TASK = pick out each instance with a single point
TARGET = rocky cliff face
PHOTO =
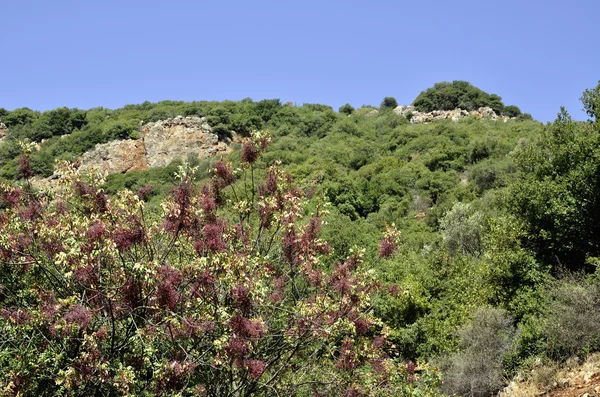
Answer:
(3, 130)
(417, 117)
(161, 142)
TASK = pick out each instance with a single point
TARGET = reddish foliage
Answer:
(242, 298)
(255, 368)
(79, 315)
(25, 171)
(213, 235)
(12, 196)
(225, 172)
(237, 347)
(347, 358)
(126, 237)
(249, 152)
(32, 211)
(168, 282)
(387, 247)
(145, 191)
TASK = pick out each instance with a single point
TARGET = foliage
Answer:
(462, 230)
(214, 297)
(558, 194)
(491, 214)
(476, 370)
(346, 109)
(388, 103)
(572, 325)
(460, 95)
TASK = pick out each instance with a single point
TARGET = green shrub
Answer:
(476, 369)
(346, 109)
(573, 319)
(388, 103)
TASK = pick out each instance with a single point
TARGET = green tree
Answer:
(558, 194)
(462, 230)
(388, 103)
(511, 111)
(346, 109)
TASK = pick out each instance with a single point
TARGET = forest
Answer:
(344, 252)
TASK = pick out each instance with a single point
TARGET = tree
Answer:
(511, 111)
(388, 103)
(457, 94)
(591, 102)
(223, 295)
(346, 109)
(558, 194)
(462, 230)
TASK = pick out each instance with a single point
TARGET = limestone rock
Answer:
(161, 143)
(417, 117)
(404, 110)
(170, 139)
(3, 130)
(116, 157)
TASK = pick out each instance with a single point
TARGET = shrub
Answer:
(224, 294)
(573, 319)
(346, 109)
(388, 103)
(476, 370)
(462, 230)
(457, 94)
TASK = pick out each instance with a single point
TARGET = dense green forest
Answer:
(478, 237)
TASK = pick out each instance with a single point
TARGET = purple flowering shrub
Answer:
(223, 294)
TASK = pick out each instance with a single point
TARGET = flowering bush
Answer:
(224, 294)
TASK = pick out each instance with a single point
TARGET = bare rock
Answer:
(3, 130)
(116, 157)
(417, 117)
(170, 139)
(161, 143)
(404, 110)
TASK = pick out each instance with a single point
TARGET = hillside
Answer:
(492, 267)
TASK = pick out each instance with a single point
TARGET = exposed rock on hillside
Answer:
(174, 138)
(417, 117)
(116, 156)
(161, 142)
(3, 129)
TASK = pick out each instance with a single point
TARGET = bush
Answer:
(573, 319)
(215, 296)
(511, 111)
(457, 94)
(388, 103)
(346, 109)
(476, 370)
(462, 230)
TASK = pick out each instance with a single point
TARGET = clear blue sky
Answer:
(535, 54)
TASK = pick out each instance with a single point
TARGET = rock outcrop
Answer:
(174, 138)
(161, 142)
(3, 130)
(116, 157)
(417, 117)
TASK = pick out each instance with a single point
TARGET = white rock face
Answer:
(161, 142)
(170, 139)
(417, 117)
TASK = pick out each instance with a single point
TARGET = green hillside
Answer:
(493, 265)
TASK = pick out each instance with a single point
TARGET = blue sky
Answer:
(538, 55)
